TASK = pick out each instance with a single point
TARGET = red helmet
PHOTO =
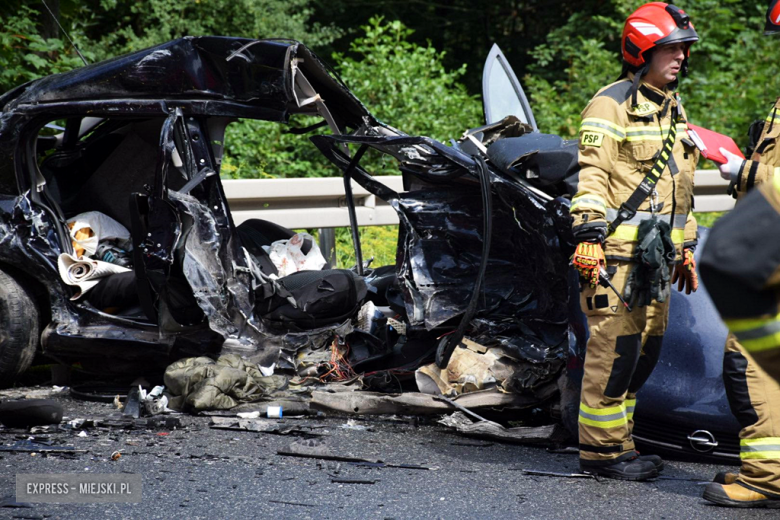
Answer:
(773, 18)
(655, 24)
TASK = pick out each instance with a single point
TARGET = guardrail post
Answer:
(328, 245)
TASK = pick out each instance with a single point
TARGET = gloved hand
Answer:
(589, 259)
(730, 170)
(685, 273)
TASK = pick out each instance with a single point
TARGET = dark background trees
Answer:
(416, 63)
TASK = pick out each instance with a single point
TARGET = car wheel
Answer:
(19, 329)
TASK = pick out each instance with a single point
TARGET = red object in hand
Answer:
(709, 143)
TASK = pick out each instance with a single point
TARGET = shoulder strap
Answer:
(629, 208)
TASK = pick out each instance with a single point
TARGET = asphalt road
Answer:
(199, 472)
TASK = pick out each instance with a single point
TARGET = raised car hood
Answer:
(258, 74)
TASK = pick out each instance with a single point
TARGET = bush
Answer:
(400, 82)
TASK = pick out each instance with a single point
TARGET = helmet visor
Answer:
(680, 35)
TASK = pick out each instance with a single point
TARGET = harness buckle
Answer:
(653, 202)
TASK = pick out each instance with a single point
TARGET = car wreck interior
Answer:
(94, 166)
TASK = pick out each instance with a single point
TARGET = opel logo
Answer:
(702, 441)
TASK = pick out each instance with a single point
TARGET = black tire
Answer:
(19, 330)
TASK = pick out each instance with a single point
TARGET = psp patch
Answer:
(643, 109)
(592, 139)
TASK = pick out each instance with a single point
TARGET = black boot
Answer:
(631, 469)
(657, 461)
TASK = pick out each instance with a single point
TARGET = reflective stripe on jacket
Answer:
(764, 164)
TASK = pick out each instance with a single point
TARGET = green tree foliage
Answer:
(377, 242)
(402, 83)
(407, 84)
(26, 53)
(571, 67)
(564, 51)
(137, 24)
(466, 29)
(735, 73)
(107, 28)
(733, 68)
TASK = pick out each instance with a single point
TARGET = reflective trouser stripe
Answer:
(776, 179)
(603, 418)
(756, 335)
(617, 448)
(678, 221)
(630, 405)
(764, 448)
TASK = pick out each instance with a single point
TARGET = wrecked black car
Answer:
(480, 306)
(140, 152)
(140, 146)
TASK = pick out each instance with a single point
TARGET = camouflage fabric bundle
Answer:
(197, 384)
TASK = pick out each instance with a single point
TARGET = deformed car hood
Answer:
(255, 73)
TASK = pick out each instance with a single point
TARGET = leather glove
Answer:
(730, 170)
(634, 292)
(685, 273)
(644, 285)
(589, 259)
(661, 287)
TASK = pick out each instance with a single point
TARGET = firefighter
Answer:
(754, 397)
(632, 218)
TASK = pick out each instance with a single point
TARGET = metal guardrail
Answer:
(321, 203)
(709, 192)
(308, 203)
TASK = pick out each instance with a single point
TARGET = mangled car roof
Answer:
(226, 70)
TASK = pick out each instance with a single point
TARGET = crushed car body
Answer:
(138, 146)
(482, 260)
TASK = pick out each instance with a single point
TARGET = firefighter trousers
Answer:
(754, 398)
(622, 352)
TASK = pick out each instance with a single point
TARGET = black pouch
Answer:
(320, 298)
(654, 256)
(754, 134)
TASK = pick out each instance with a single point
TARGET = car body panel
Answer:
(524, 297)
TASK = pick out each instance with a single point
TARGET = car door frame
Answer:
(496, 58)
